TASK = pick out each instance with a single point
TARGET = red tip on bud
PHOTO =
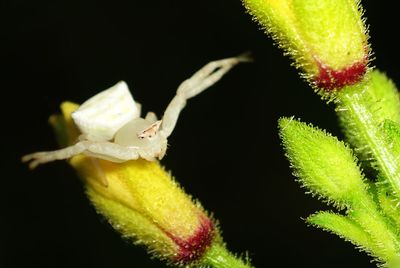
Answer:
(329, 79)
(193, 248)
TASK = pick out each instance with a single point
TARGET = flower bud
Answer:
(322, 163)
(142, 201)
(326, 38)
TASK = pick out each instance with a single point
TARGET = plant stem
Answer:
(218, 256)
(357, 110)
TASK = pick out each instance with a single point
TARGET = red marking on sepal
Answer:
(329, 79)
(193, 248)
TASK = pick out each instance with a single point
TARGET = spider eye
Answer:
(150, 131)
(138, 132)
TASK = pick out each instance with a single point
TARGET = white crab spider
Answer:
(112, 128)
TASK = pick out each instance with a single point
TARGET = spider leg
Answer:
(105, 150)
(208, 75)
(112, 152)
(198, 82)
(44, 157)
(151, 117)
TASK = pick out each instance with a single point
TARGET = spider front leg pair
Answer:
(104, 150)
(112, 128)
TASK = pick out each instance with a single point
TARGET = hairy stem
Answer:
(358, 114)
(217, 256)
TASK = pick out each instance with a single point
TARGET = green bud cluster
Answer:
(328, 42)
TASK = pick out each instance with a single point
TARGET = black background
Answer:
(225, 150)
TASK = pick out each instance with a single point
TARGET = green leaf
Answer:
(350, 230)
(386, 243)
(344, 227)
